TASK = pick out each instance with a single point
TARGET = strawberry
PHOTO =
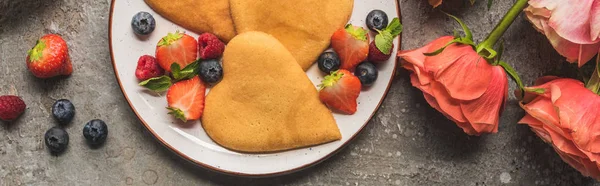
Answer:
(49, 57)
(177, 48)
(186, 99)
(11, 107)
(352, 45)
(339, 91)
(381, 48)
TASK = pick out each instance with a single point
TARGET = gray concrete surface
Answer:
(406, 143)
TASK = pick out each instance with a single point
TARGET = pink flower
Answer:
(566, 115)
(572, 26)
(460, 84)
(435, 3)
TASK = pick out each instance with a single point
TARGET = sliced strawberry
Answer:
(352, 45)
(339, 91)
(186, 99)
(177, 48)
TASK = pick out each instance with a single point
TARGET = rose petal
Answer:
(447, 104)
(484, 112)
(571, 20)
(435, 3)
(468, 78)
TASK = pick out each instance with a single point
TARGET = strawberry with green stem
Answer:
(49, 57)
(177, 48)
(339, 91)
(352, 46)
(381, 48)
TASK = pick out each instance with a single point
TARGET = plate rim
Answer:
(234, 173)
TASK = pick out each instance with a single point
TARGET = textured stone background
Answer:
(406, 143)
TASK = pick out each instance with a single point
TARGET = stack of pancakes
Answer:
(265, 101)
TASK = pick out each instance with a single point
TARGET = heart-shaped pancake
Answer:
(303, 26)
(265, 102)
(198, 15)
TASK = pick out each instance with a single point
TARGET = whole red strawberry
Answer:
(49, 57)
(11, 107)
(210, 46)
(177, 48)
(147, 68)
(352, 45)
(339, 91)
(376, 55)
(381, 48)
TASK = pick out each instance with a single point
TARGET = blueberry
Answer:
(377, 20)
(211, 71)
(63, 111)
(143, 23)
(328, 62)
(95, 132)
(366, 73)
(56, 139)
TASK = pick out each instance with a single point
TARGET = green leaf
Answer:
(188, 72)
(536, 90)
(383, 42)
(512, 73)
(593, 83)
(468, 33)
(395, 27)
(170, 38)
(489, 4)
(157, 84)
(357, 32)
(456, 40)
(177, 113)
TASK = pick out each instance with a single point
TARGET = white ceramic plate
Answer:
(192, 143)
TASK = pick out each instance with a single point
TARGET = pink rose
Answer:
(567, 116)
(460, 84)
(572, 26)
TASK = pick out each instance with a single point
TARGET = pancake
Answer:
(304, 26)
(265, 102)
(198, 15)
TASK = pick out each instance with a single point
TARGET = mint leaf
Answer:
(157, 84)
(383, 42)
(395, 27)
(177, 113)
(357, 32)
(188, 72)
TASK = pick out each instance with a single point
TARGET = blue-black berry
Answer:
(57, 140)
(377, 20)
(63, 111)
(211, 71)
(328, 62)
(95, 132)
(367, 73)
(143, 23)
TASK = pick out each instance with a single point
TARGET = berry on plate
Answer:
(210, 46)
(367, 73)
(328, 62)
(177, 48)
(148, 67)
(381, 48)
(211, 71)
(57, 140)
(377, 20)
(11, 107)
(186, 99)
(352, 46)
(63, 111)
(95, 132)
(49, 57)
(339, 91)
(143, 23)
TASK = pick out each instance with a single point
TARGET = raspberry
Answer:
(11, 107)
(376, 56)
(210, 46)
(147, 68)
